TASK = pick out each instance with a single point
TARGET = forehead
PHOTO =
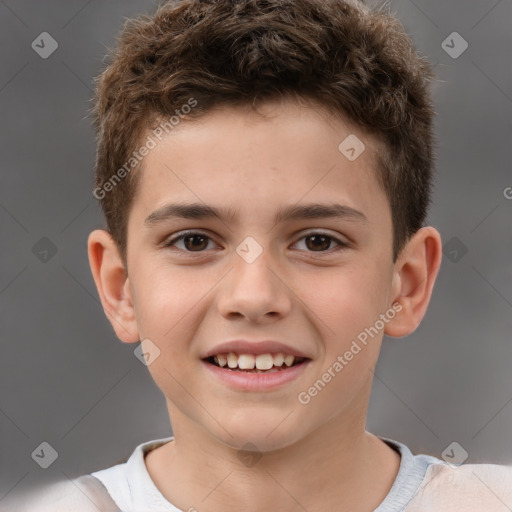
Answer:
(249, 162)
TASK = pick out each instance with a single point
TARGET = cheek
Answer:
(348, 304)
(346, 300)
(168, 305)
(166, 300)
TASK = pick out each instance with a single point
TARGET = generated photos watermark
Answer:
(156, 136)
(304, 397)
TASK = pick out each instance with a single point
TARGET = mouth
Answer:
(256, 372)
(252, 363)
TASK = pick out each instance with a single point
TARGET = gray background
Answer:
(67, 380)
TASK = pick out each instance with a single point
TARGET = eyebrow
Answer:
(288, 213)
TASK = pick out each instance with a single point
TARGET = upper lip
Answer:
(254, 347)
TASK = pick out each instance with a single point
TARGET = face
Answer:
(314, 284)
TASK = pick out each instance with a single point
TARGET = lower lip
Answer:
(246, 381)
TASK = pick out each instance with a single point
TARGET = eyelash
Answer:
(341, 245)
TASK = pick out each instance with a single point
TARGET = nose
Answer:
(254, 291)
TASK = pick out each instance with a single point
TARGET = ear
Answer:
(414, 275)
(113, 285)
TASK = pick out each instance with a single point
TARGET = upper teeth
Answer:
(250, 361)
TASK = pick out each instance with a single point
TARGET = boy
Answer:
(265, 169)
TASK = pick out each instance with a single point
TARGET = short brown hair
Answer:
(354, 61)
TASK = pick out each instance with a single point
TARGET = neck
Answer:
(326, 470)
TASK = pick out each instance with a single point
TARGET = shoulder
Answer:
(469, 487)
(83, 494)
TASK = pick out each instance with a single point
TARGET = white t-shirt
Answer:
(423, 484)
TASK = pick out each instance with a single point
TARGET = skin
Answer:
(316, 299)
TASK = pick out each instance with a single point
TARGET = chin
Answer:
(260, 435)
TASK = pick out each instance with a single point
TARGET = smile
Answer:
(251, 372)
(255, 363)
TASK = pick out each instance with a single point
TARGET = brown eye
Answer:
(318, 242)
(321, 242)
(192, 242)
(195, 242)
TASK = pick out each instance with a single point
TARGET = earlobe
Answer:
(414, 276)
(113, 285)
